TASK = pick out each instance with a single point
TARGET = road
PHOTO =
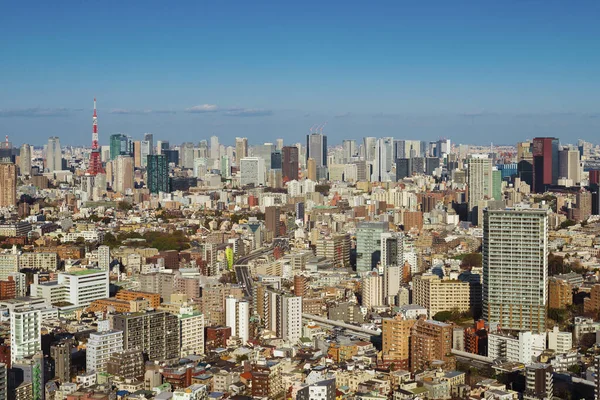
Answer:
(242, 272)
(355, 330)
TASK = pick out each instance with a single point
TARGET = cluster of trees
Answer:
(470, 260)
(454, 316)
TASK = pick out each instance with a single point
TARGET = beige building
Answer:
(396, 341)
(437, 294)
(335, 248)
(8, 184)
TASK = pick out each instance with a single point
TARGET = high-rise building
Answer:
(156, 333)
(384, 158)
(369, 144)
(392, 283)
(372, 290)
(123, 174)
(104, 257)
(316, 148)
(99, 348)
(311, 169)
(237, 315)
(8, 184)
(290, 163)
(25, 333)
(252, 171)
(431, 164)
(145, 151)
(191, 328)
(335, 248)
(215, 152)
(479, 179)
(545, 163)
(349, 148)
(568, 165)
(53, 154)
(120, 145)
(515, 268)
(186, 155)
(158, 173)
(438, 295)
(431, 341)
(403, 168)
(392, 248)
(25, 160)
(241, 149)
(128, 364)
(137, 154)
(368, 244)
(272, 220)
(149, 137)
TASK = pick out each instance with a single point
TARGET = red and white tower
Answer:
(95, 166)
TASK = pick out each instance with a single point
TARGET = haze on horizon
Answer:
(471, 71)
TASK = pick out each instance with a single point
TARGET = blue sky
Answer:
(474, 72)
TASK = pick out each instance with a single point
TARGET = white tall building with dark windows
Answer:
(237, 317)
(515, 268)
(25, 333)
(100, 346)
(53, 154)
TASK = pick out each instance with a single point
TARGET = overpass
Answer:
(328, 322)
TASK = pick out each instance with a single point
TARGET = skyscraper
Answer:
(119, 145)
(479, 179)
(568, 165)
(369, 144)
(53, 155)
(349, 147)
(403, 168)
(290, 163)
(241, 149)
(545, 163)
(316, 148)
(252, 170)
(145, 151)
(123, 174)
(237, 315)
(8, 184)
(215, 152)
(382, 164)
(515, 268)
(25, 333)
(25, 160)
(149, 137)
(368, 244)
(158, 173)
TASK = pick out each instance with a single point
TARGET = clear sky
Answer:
(475, 72)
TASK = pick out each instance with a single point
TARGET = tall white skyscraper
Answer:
(349, 147)
(237, 317)
(515, 268)
(215, 153)
(25, 334)
(25, 159)
(53, 154)
(384, 158)
(479, 179)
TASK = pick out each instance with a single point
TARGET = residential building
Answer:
(237, 317)
(436, 294)
(396, 341)
(25, 333)
(431, 346)
(8, 184)
(100, 346)
(524, 347)
(560, 293)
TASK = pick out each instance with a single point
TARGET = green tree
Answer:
(472, 260)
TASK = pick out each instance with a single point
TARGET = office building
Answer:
(569, 165)
(368, 244)
(241, 149)
(290, 163)
(156, 333)
(545, 163)
(392, 248)
(349, 150)
(25, 333)
(335, 248)
(149, 137)
(99, 348)
(237, 317)
(53, 154)
(158, 173)
(145, 151)
(384, 158)
(25, 160)
(316, 148)
(515, 268)
(431, 164)
(252, 171)
(272, 220)
(137, 154)
(78, 287)
(186, 155)
(368, 148)
(403, 168)
(8, 184)
(392, 283)
(431, 341)
(123, 174)
(215, 148)
(119, 146)
(311, 169)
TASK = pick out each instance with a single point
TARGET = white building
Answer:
(237, 316)
(252, 171)
(372, 290)
(191, 331)
(194, 392)
(79, 288)
(100, 346)
(479, 179)
(53, 155)
(289, 318)
(561, 342)
(515, 268)
(523, 348)
(25, 334)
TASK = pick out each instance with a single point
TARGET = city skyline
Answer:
(472, 73)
